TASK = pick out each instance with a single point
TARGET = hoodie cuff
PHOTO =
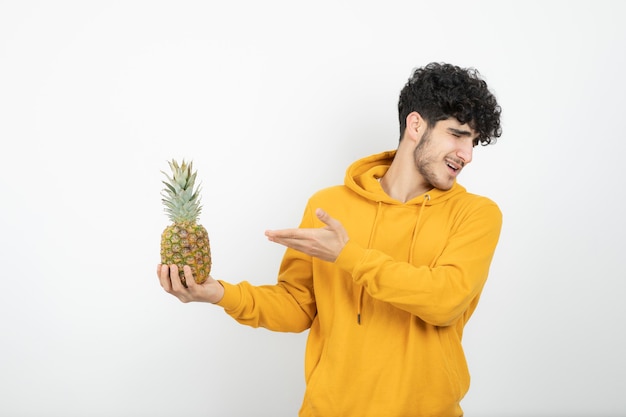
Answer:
(350, 257)
(232, 296)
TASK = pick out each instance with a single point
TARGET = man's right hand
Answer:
(209, 291)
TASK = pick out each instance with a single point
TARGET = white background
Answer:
(272, 100)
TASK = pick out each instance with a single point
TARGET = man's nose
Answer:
(465, 152)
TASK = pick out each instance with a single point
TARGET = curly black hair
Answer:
(439, 91)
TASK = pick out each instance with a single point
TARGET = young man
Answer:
(387, 269)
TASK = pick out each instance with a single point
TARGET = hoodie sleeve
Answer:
(287, 306)
(439, 293)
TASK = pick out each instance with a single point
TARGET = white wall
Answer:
(272, 100)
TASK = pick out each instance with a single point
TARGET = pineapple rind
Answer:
(187, 244)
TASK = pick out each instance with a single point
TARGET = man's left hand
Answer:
(324, 243)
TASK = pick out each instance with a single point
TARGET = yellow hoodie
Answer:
(387, 317)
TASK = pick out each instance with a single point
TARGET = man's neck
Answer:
(402, 181)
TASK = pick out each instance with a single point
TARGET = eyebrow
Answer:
(459, 132)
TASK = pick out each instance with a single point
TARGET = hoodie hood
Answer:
(363, 177)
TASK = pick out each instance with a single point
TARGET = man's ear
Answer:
(415, 126)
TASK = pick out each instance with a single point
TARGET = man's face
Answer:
(443, 151)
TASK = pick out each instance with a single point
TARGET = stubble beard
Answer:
(424, 164)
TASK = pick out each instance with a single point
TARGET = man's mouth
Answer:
(454, 165)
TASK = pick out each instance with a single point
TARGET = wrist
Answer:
(219, 293)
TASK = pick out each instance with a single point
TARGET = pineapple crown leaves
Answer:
(181, 197)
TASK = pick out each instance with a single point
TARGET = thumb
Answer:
(325, 218)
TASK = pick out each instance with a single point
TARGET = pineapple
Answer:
(184, 242)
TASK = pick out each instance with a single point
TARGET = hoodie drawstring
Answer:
(371, 241)
(369, 245)
(419, 218)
